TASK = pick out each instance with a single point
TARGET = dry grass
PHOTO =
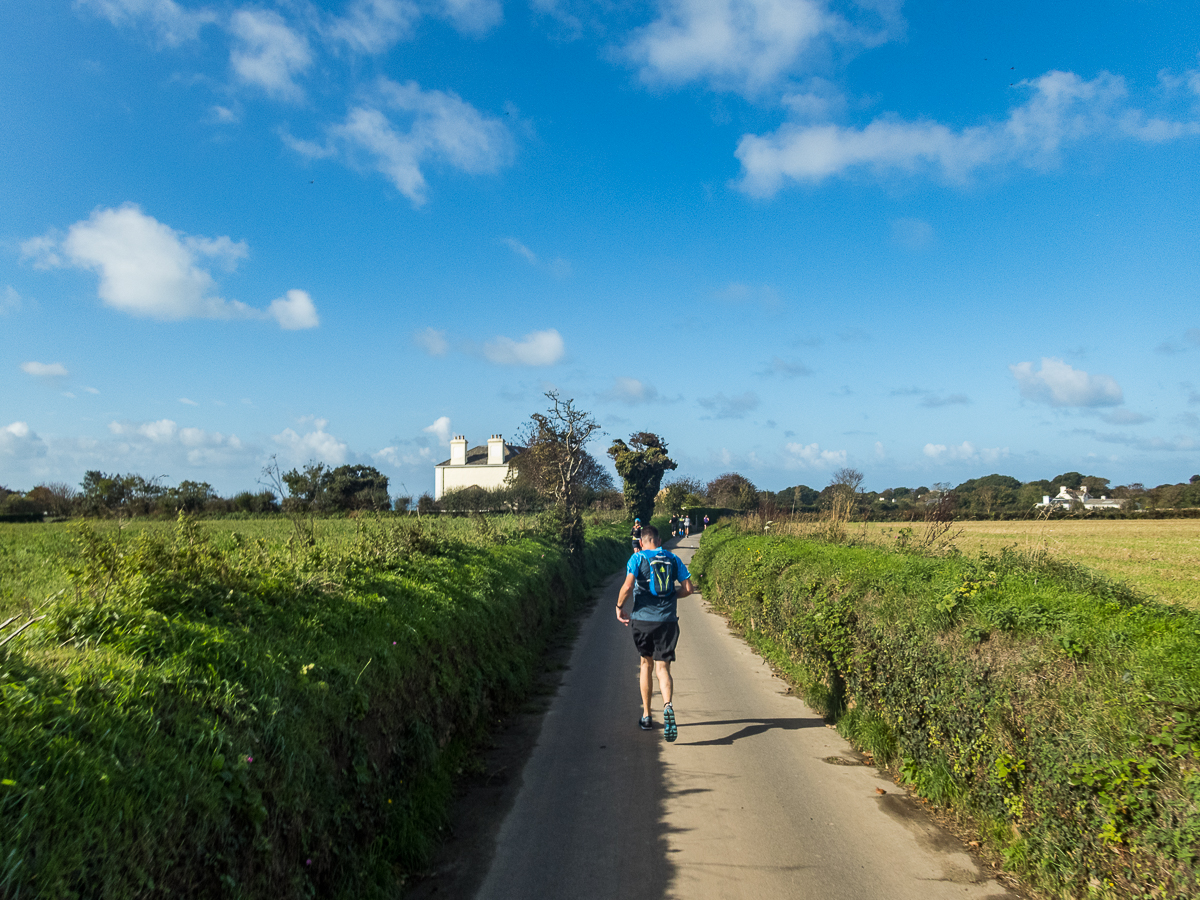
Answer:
(1158, 557)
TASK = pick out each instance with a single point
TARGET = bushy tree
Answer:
(356, 487)
(733, 491)
(306, 488)
(641, 464)
(556, 463)
(55, 498)
(119, 494)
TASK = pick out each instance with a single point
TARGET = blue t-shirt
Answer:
(655, 575)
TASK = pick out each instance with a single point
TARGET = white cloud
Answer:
(1057, 384)
(913, 234)
(171, 23)
(964, 452)
(10, 300)
(812, 456)
(48, 371)
(149, 269)
(313, 445)
(18, 441)
(1126, 417)
(426, 127)
(723, 407)
(880, 452)
(740, 45)
(186, 402)
(474, 17)
(372, 26)
(933, 401)
(520, 249)
(787, 369)
(92, 390)
(538, 348)
(432, 341)
(165, 443)
(439, 429)
(1064, 109)
(267, 53)
(631, 391)
(294, 311)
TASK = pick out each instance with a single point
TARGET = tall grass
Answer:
(216, 712)
(1057, 710)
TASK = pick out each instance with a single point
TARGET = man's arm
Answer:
(685, 588)
(623, 598)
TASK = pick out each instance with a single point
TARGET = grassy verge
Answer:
(1056, 710)
(220, 714)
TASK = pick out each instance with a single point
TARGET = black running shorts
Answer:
(655, 640)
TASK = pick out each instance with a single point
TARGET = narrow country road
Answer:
(754, 800)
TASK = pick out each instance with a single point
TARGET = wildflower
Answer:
(393, 643)
(249, 759)
(308, 862)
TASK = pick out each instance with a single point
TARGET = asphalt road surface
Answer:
(756, 799)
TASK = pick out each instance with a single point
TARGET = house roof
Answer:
(478, 456)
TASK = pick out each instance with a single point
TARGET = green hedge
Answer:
(241, 719)
(1058, 710)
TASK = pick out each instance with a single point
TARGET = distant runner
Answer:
(687, 526)
(635, 535)
(656, 578)
(705, 522)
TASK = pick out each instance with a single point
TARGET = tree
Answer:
(306, 490)
(641, 464)
(556, 462)
(356, 487)
(191, 496)
(56, 498)
(732, 491)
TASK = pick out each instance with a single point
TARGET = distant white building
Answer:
(1067, 498)
(485, 466)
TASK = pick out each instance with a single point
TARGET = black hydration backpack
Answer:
(658, 574)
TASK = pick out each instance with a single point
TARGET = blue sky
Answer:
(931, 240)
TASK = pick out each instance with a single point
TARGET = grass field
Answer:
(35, 557)
(1160, 558)
(216, 709)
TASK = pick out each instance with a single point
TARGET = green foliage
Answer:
(217, 713)
(641, 464)
(1058, 709)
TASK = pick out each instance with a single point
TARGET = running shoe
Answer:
(645, 724)
(670, 731)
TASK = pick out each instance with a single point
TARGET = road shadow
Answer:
(751, 728)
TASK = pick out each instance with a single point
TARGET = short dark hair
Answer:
(649, 531)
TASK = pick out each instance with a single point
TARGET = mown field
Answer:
(229, 709)
(1160, 558)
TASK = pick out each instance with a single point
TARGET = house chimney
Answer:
(458, 450)
(495, 450)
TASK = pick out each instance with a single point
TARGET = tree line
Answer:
(989, 497)
(315, 487)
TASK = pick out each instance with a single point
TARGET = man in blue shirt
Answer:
(656, 579)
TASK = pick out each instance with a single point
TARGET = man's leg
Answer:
(647, 667)
(662, 669)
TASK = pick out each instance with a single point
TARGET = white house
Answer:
(1067, 498)
(482, 466)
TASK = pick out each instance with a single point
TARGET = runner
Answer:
(656, 579)
(635, 535)
(705, 528)
(687, 526)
